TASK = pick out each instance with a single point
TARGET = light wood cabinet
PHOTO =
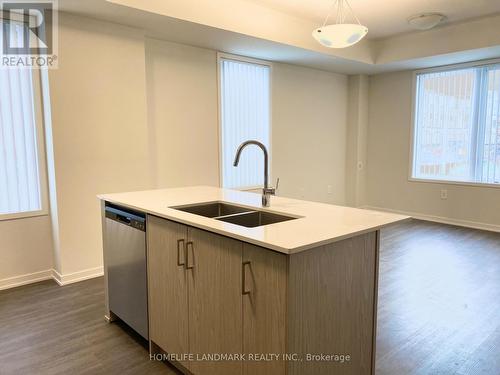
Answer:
(264, 309)
(209, 294)
(167, 286)
(332, 306)
(215, 308)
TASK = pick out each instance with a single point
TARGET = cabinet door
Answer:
(168, 297)
(215, 307)
(264, 308)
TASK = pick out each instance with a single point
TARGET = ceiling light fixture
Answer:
(340, 34)
(426, 21)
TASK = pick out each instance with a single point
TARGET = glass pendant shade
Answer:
(340, 35)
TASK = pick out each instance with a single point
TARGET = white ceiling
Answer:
(387, 17)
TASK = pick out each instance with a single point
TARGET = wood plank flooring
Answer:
(438, 314)
(439, 301)
(46, 329)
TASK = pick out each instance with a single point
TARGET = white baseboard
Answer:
(64, 279)
(57, 277)
(439, 219)
(75, 277)
(28, 278)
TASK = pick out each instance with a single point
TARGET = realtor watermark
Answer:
(252, 357)
(28, 34)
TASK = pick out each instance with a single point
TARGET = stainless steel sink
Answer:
(255, 219)
(212, 209)
(238, 215)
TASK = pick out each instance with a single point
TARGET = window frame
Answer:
(413, 128)
(41, 154)
(227, 56)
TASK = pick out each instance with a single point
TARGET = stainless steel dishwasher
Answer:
(126, 267)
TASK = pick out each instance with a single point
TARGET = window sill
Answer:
(23, 215)
(459, 183)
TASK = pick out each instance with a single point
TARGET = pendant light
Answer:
(340, 34)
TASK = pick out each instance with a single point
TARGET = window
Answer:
(457, 124)
(20, 141)
(244, 114)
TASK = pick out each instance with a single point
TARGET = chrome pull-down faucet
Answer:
(267, 191)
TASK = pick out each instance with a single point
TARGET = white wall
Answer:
(25, 248)
(388, 151)
(182, 114)
(357, 138)
(100, 134)
(309, 133)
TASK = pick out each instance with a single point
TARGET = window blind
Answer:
(19, 173)
(245, 114)
(457, 125)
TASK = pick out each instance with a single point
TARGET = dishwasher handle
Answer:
(123, 219)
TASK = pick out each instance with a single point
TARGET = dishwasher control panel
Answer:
(130, 218)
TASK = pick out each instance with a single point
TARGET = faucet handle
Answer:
(271, 190)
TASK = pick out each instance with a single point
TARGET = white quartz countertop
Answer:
(319, 223)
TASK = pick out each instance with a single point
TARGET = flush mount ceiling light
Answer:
(426, 21)
(340, 34)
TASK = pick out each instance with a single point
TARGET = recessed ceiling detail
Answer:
(282, 37)
(388, 17)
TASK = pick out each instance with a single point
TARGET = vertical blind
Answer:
(19, 173)
(457, 125)
(245, 114)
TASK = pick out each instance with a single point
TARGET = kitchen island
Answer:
(235, 288)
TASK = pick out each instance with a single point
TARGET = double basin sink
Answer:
(229, 213)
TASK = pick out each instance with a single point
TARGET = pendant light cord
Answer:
(341, 12)
(352, 12)
(330, 12)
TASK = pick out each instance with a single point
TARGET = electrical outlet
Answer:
(444, 194)
(329, 189)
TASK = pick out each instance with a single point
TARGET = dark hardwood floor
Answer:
(46, 329)
(438, 313)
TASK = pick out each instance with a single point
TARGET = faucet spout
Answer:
(266, 157)
(267, 191)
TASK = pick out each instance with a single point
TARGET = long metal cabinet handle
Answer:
(189, 244)
(244, 278)
(180, 243)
